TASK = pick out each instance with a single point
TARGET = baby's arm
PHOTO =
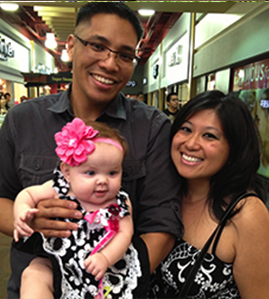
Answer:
(114, 250)
(24, 207)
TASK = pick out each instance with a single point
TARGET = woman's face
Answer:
(199, 148)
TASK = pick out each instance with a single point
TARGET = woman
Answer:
(3, 102)
(216, 150)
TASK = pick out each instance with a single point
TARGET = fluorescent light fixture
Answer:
(9, 6)
(64, 56)
(146, 12)
(50, 42)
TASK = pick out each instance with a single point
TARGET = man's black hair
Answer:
(170, 95)
(91, 9)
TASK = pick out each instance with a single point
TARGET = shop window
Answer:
(251, 84)
(211, 82)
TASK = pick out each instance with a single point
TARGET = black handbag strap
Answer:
(187, 285)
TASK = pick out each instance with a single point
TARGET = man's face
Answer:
(174, 102)
(100, 80)
(140, 97)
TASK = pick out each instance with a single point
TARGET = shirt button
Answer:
(125, 174)
(37, 167)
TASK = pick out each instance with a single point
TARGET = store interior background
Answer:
(188, 47)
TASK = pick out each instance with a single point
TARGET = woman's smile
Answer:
(199, 148)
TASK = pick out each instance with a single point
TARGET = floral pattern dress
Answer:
(214, 279)
(67, 255)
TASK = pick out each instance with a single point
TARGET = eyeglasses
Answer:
(102, 52)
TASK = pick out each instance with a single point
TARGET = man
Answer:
(140, 97)
(172, 103)
(103, 53)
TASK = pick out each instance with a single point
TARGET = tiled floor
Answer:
(4, 263)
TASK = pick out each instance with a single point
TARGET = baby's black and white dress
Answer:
(67, 255)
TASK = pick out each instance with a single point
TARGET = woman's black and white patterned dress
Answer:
(214, 279)
(71, 280)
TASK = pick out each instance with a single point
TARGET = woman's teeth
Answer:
(190, 159)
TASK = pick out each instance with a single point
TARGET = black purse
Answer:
(186, 287)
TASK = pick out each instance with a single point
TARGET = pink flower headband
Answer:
(76, 141)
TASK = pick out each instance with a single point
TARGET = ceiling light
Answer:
(64, 56)
(50, 42)
(146, 12)
(9, 6)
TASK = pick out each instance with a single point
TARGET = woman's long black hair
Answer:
(239, 174)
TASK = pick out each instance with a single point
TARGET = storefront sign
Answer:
(155, 71)
(13, 54)
(131, 84)
(176, 56)
(37, 79)
(6, 50)
(62, 77)
(251, 76)
(42, 69)
(145, 81)
(265, 104)
(175, 61)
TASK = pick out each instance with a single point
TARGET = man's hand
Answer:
(55, 208)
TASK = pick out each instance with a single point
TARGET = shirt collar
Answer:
(63, 103)
(115, 109)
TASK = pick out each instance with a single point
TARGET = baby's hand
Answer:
(96, 264)
(21, 228)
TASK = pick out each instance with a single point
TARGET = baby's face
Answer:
(97, 180)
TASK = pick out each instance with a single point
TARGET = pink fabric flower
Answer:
(74, 142)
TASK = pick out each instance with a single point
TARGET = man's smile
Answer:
(103, 80)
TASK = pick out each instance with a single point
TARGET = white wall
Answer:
(246, 38)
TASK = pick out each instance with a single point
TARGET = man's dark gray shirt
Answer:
(27, 157)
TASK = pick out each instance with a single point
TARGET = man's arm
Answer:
(158, 245)
(6, 216)
(11, 182)
(159, 221)
(48, 208)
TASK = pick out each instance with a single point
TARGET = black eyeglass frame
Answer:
(136, 59)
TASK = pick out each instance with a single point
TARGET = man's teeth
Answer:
(191, 159)
(103, 80)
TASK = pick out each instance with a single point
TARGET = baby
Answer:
(90, 174)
